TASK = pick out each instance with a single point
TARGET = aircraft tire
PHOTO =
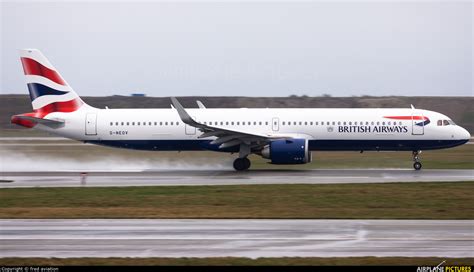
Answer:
(417, 165)
(241, 164)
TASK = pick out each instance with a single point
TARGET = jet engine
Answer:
(290, 151)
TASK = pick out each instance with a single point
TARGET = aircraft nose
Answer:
(465, 135)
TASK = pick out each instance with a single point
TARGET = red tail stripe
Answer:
(32, 67)
(66, 106)
(407, 117)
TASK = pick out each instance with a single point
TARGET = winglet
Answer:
(412, 107)
(200, 104)
(183, 114)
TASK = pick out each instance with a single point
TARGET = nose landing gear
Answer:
(417, 164)
(241, 164)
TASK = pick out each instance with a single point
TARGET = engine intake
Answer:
(291, 151)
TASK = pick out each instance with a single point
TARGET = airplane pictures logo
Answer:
(423, 121)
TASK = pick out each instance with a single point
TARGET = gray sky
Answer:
(244, 48)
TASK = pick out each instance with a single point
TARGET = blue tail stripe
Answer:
(37, 90)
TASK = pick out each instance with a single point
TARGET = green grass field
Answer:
(433, 261)
(450, 200)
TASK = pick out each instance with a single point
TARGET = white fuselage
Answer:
(326, 129)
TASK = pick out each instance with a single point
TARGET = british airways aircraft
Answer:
(283, 135)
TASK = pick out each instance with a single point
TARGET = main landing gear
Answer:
(417, 164)
(241, 164)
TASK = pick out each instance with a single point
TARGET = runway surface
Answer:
(238, 238)
(166, 178)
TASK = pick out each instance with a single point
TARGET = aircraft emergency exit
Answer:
(281, 135)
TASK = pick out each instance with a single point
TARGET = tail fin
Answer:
(49, 92)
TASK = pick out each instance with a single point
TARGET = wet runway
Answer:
(166, 178)
(238, 238)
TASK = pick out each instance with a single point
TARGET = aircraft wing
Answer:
(225, 137)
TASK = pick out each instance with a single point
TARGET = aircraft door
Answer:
(418, 123)
(275, 124)
(189, 130)
(91, 124)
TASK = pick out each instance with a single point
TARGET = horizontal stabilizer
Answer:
(30, 121)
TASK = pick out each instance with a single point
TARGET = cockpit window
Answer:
(445, 123)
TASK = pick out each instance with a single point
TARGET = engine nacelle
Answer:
(291, 151)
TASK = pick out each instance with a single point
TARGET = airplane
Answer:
(281, 135)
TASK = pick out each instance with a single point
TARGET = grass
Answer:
(412, 261)
(349, 201)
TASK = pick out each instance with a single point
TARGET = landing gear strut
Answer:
(417, 164)
(241, 164)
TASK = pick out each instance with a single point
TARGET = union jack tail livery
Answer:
(49, 92)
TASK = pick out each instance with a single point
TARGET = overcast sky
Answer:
(243, 48)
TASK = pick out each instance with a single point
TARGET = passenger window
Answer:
(155, 123)
(254, 123)
(378, 123)
(111, 123)
(177, 123)
(128, 123)
(345, 123)
(311, 123)
(166, 123)
(350, 123)
(238, 123)
(283, 123)
(367, 123)
(171, 123)
(121, 124)
(266, 123)
(226, 123)
(133, 123)
(116, 123)
(259, 123)
(316, 123)
(305, 123)
(333, 123)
